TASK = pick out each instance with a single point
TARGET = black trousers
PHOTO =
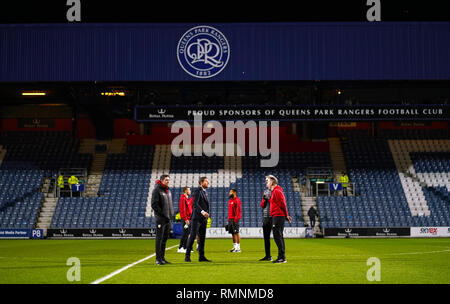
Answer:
(278, 228)
(344, 191)
(185, 235)
(162, 234)
(197, 226)
(267, 229)
(312, 220)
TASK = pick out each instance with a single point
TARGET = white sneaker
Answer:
(237, 250)
(181, 250)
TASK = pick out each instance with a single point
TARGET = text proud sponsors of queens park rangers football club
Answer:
(203, 51)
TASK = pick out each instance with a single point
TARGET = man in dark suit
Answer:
(199, 220)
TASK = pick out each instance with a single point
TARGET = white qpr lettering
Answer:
(432, 111)
(398, 112)
(322, 112)
(295, 112)
(196, 294)
(356, 112)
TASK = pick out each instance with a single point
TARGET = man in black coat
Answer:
(267, 224)
(163, 209)
(199, 220)
(312, 213)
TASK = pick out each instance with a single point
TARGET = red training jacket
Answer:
(186, 207)
(234, 209)
(278, 203)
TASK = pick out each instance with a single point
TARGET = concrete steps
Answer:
(96, 174)
(118, 146)
(87, 146)
(306, 203)
(46, 213)
(338, 160)
(2, 154)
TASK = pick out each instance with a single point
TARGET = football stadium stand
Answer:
(30, 158)
(402, 179)
(390, 193)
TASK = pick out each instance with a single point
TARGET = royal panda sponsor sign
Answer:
(102, 233)
(367, 232)
(122, 233)
(93, 233)
(344, 232)
(389, 232)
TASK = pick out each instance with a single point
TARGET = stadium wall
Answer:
(259, 51)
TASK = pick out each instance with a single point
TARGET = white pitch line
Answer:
(436, 251)
(357, 255)
(98, 281)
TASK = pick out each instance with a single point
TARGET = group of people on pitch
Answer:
(194, 213)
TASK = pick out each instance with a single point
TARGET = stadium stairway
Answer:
(115, 146)
(160, 165)
(338, 160)
(95, 174)
(48, 205)
(87, 146)
(46, 213)
(2, 154)
(306, 203)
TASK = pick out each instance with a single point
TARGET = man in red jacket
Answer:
(279, 213)
(234, 215)
(185, 214)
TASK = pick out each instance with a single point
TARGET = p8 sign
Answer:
(37, 234)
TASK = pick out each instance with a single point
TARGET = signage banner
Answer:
(45, 123)
(255, 232)
(343, 124)
(102, 233)
(289, 113)
(14, 233)
(430, 231)
(335, 186)
(78, 188)
(358, 232)
(37, 234)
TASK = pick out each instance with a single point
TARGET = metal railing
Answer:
(80, 173)
(334, 188)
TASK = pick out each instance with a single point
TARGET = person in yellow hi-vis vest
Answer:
(344, 180)
(178, 217)
(73, 180)
(61, 182)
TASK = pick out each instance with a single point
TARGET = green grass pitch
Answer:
(309, 261)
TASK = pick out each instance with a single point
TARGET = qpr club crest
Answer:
(203, 51)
